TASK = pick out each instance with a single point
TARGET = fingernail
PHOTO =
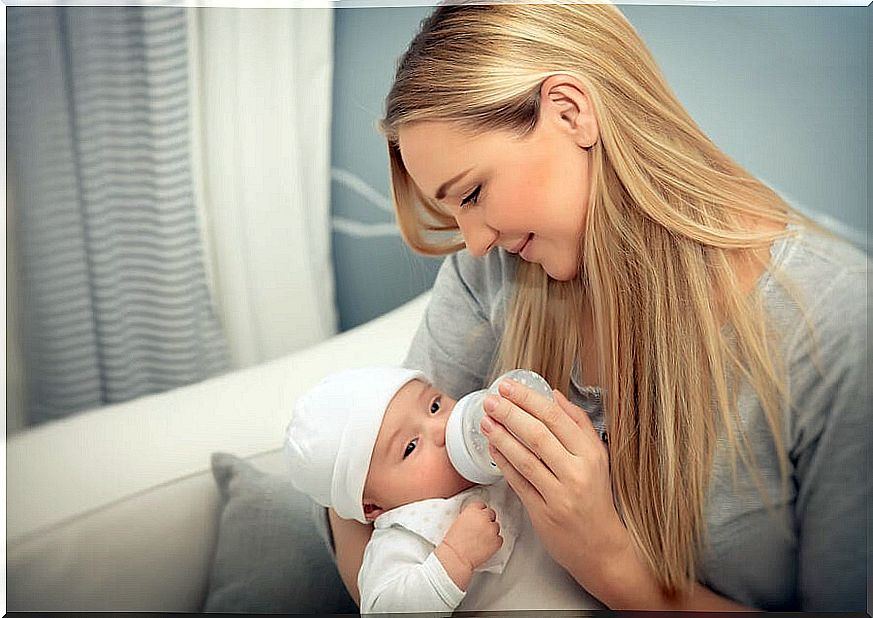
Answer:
(505, 388)
(486, 424)
(490, 403)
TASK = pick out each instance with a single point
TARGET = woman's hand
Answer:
(556, 463)
(559, 467)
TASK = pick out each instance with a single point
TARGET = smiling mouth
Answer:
(523, 244)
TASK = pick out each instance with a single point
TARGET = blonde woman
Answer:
(596, 235)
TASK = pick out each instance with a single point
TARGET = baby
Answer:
(370, 443)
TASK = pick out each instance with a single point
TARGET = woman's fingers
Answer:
(580, 417)
(576, 414)
(526, 492)
(565, 427)
(531, 448)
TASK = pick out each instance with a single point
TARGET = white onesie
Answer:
(400, 572)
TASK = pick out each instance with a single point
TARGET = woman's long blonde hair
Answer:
(667, 231)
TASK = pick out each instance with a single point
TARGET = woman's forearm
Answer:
(349, 540)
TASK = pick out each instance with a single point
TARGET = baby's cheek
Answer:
(448, 479)
(427, 480)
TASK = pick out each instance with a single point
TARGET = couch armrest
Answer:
(116, 508)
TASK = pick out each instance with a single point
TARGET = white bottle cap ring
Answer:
(459, 455)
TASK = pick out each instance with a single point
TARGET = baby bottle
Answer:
(467, 447)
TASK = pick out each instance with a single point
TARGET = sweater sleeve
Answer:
(400, 573)
(830, 452)
(458, 336)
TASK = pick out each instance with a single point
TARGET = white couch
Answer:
(117, 509)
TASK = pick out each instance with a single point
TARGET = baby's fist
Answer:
(475, 534)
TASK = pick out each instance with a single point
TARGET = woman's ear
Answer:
(564, 101)
(372, 511)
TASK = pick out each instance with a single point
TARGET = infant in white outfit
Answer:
(370, 443)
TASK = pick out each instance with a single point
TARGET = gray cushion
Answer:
(269, 556)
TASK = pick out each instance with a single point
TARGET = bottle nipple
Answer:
(528, 378)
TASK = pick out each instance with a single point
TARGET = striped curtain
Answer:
(115, 302)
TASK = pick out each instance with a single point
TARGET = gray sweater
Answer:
(810, 551)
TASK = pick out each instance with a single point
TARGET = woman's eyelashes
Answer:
(471, 198)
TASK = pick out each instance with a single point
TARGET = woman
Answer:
(613, 248)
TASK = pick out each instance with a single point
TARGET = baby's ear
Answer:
(372, 511)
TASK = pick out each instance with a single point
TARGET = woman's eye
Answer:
(409, 448)
(435, 406)
(472, 198)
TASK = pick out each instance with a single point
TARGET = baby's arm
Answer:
(401, 572)
(472, 539)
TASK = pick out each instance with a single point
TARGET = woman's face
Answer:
(528, 195)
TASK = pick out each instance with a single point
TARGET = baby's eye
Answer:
(409, 448)
(435, 406)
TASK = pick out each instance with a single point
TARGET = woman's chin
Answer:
(562, 274)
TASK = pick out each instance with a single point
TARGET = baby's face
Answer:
(410, 461)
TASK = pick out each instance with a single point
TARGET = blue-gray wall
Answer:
(783, 90)
(373, 273)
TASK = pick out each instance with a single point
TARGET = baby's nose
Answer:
(440, 431)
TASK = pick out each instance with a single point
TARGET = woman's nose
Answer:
(478, 236)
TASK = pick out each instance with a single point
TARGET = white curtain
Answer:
(261, 101)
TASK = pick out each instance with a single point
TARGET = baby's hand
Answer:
(472, 539)
(475, 535)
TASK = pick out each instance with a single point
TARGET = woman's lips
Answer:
(525, 245)
(517, 248)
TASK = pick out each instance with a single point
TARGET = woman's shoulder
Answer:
(816, 299)
(823, 254)
(820, 279)
(820, 305)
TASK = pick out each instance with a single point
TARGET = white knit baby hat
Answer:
(330, 439)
